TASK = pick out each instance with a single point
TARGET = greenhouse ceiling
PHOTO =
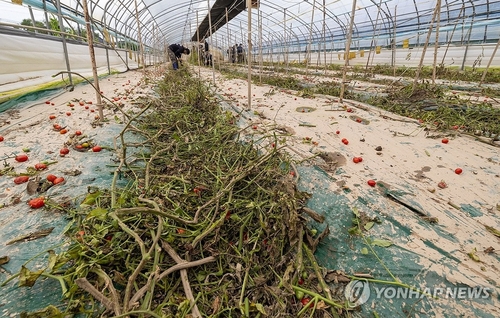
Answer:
(276, 23)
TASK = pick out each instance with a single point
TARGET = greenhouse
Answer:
(249, 158)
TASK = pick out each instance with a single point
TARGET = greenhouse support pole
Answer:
(394, 26)
(32, 18)
(452, 34)
(324, 33)
(198, 39)
(373, 43)
(308, 56)
(107, 61)
(284, 40)
(228, 39)
(47, 17)
(259, 22)
(90, 42)
(436, 44)
(421, 63)
(347, 49)
(211, 41)
(63, 36)
(489, 63)
(141, 47)
(249, 59)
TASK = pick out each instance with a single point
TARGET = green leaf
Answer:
(98, 213)
(364, 251)
(356, 212)
(52, 260)
(369, 225)
(381, 243)
(90, 199)
(27, 277)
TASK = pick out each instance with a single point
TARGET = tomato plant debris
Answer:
(213, 224)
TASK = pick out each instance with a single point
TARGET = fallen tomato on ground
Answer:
(96, 149)
(64, 151)
(58, 180)
(37, 203)
(444, 140)
(51, 178)
(21, 179)
(40, 166)
(458, 170)
(21, 158)
(371, 183)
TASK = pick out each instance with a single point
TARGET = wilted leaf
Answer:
(260, 308)
(473, 256)
(364, 251)
(48, 312)
(52, 260)
(381, 243)
(27, 277)
(4, 260)
(493, 230)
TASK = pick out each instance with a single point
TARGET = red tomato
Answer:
(57, 127)
(349, 110)
(68, 114)
(78, 133)
(355, 159)
(64, 151)
(458, 170)
(92, 110)
(63, 131)
(96, 149)
(445, 140)
(58, 180)
(337, 132)
(358, 120)
(360, 159)
(1, 138)
(36, 203)
(306, 301)
(89, 102)
(21, 179)
(86, 107)
(52, 116)
(301, 281)
(345, 141)
(51, 178)
(455, 127)
(254, 127)
(79, 147)
(40, 166)
(442, 184)
(181, 231)
(21, 158)
(228, 215)
(81, 103)
(47, 102)
(372, 183)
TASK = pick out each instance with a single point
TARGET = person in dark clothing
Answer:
(175, 52)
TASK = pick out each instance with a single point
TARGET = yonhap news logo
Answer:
(358, 292)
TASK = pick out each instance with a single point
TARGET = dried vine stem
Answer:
(184, 277)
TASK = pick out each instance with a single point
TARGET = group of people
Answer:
(236, 53)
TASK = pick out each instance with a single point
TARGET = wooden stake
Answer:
(90, 41)
(347, 50)
(249, 59)
(419, 68)
(211, 42)
(436, 44)
(141, 46)
(489, 63)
